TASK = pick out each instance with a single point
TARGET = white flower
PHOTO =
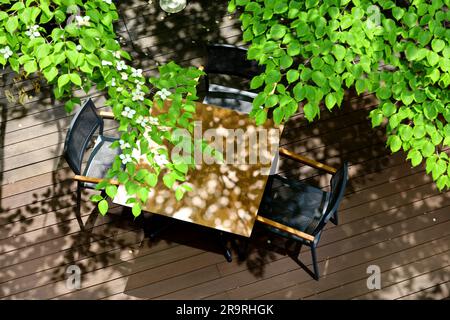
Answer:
(164, 93)
(125, 158)
(123, 144)
(142, 121)
(153, 121)
(137, 73)
(138, 82)
(108, 1)
(33, 32)
(116, 54)
(124, 76)
(128, 112)
(79, 47)
(113, 82)
(121, 66)
(119, 89)
(160, 160)
(6, 52)
(82, 21)
(106, 63)
(137, 95)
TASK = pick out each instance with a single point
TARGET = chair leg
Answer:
(78, 207)
(334, 218)
(314, 260)
(223, 244)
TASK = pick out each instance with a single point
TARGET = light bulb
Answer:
(172, 6)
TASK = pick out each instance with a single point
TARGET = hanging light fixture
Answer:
(172, 6)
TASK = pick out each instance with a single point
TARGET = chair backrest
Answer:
(338, 183)
(82, 128)
(231, 60)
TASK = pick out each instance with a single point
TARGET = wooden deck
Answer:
(392, 215)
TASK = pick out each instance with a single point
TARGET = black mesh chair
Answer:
(81, 134)
(299, 211)
(229, 60)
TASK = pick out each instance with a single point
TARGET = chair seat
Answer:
(294, 204)
(230, 98)
(101, 159)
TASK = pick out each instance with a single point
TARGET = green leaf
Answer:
(317, 63)
(432, 58)
(179, 193)
(411, 52)
(278, 115)
(151, 179)
(410, 19)
(437, 45)
(428, 149)
(63, 80)
(50, 74)
(261, 117)
(442, 182)
(12, 24)
(319, 78)
(257, 81)
(294, 48)
(415, 157)
(111, 191)
(430, 111)
(395, 143)
(398, 13)
(292, 75)
(286, 61)
(273, 76)
(376, 117)
(143, 194)
(383, 93)
(338, 51)
(330, 101)
(75, 78)
(96, 198)
(419, 131)
(388, 109)
(103, 207)
(136, 209)
(30, 66)
(277, 31)
(311, 110)
(88, 43)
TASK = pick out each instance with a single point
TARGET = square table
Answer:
(224, 197)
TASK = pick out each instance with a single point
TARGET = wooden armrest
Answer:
(93, 180)
(287, 229)
(106, 114)
(310, 162)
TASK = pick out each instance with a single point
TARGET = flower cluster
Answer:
(121, 66)
(160, 159)
(125, 158)
(137, 73)
(138, 94)
(123, 144)
(6, 52)
(128, 112)
(108, 1)
(82, 21)
(142, 121)
(163, 93)
(33, 32)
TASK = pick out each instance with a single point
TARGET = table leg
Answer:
(226, 249)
